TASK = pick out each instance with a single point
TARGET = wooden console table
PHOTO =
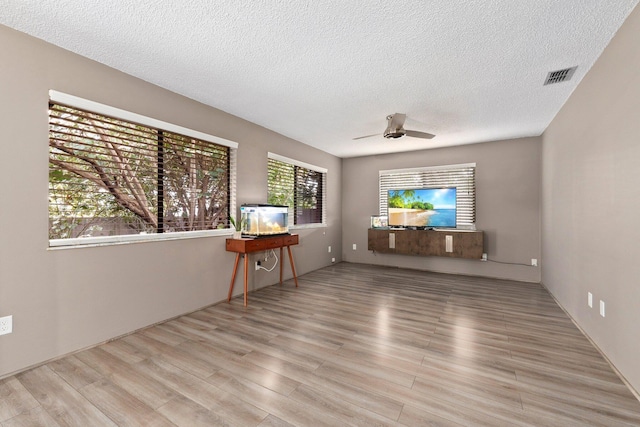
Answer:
(246, 246)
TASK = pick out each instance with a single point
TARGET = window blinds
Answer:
(460, 176)
(300, 186)
(109, 176)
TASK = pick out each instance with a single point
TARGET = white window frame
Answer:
(412, 178)
(319, 169)
(106, 110)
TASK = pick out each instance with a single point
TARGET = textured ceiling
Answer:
(323, 72)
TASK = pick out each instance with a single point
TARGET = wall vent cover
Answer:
(560, 76)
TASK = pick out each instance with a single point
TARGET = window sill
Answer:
(88, 242)
(306, 226)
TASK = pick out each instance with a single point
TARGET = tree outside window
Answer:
(299, 188)
(113, 177)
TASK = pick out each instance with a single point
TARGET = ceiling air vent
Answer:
(559, 76)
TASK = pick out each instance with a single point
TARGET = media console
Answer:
(445, 243)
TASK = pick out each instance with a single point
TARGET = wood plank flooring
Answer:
(353, 345)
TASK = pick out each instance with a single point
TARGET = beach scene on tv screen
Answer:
(424, 207)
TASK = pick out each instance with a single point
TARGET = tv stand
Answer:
(445, 243)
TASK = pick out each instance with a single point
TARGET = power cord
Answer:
(509, 263)
(274, 264)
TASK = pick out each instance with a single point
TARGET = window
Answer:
(300, 186)
(460, 176)
(114, 173)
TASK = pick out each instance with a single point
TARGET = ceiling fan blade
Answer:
(417, 134)
(366, 136)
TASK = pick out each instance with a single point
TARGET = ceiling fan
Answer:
(396, 130)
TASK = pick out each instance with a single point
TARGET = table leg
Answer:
(233, 276)
(293, 267)
(246, 277)
(281, 262)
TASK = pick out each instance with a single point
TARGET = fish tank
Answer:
(264, 220)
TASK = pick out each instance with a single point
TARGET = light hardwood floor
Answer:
(353, 345)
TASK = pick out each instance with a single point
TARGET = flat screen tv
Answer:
(422, 207)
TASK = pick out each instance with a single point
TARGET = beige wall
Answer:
(507, 206)
(64, 300)
(591, 201)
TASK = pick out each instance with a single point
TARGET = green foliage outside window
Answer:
(112, 177)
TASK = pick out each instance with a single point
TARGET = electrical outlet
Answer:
(601, 308)
(354, 246)
(6, 325)
(590, 299)
(534, 262)
(484, 257)
(257, 265)
(333, 260)
(329, 249)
